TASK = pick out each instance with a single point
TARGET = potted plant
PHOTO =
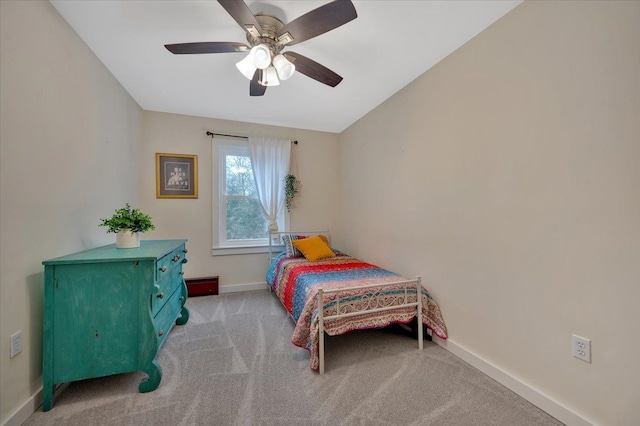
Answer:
(128, 223)
(290, 189)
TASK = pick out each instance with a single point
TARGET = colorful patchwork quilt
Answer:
(296, 282)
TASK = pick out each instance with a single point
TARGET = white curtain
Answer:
(270, 163)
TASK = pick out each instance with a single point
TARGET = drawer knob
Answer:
(181, 272)
(176, 258)
(185, 250)
(184, 260)
(161, 295)
(163, 269)
(161, 332)
(182, 298)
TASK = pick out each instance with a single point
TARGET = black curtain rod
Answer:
(212, 134)
(222, 134)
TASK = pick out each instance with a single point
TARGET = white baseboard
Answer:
(534, 396)
(21, 414)
(30, 406)
(234, 288)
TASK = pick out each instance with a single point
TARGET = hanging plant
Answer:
(290, 189)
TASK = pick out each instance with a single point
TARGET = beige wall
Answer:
(69, 139)
(316, 206)
(510, 175)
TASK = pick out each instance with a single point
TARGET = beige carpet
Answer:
(233, 364)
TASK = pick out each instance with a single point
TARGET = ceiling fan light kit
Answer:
(260, 56)
(268, 36)
(246, 67)
(269, 77)
(284, 67)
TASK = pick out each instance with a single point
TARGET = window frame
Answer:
(222, 246)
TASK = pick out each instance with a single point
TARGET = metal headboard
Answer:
(275, 240)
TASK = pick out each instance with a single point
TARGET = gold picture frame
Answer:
(176, 175)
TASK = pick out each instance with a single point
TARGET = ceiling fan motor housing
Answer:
(270, 26)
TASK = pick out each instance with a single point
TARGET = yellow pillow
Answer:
(324, 239)
(313, 248)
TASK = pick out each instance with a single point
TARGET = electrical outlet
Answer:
(16, 343)
(581, 348)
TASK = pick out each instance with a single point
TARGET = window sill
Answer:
(226, 251)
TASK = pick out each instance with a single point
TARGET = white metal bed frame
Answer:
(375, 303)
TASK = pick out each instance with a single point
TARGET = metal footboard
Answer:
(375, 303)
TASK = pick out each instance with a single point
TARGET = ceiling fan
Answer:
(266, 64)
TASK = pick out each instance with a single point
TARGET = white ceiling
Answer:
(388, 45)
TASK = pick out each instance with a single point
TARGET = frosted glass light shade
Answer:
(270, 77)
(246, 67)
(284, 67)
(260, 56)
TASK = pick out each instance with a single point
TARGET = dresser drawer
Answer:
(167, 315)
(167, 285)
(169, 262)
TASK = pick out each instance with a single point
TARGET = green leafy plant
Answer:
(290, 189)
(130, 219)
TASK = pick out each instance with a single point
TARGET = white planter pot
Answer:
(127, 239)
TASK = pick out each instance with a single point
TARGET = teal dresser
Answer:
(108, 311)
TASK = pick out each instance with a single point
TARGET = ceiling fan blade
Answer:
(239, 11)
(313, 69)
(318, 21)
(255, 88)
(207, 47)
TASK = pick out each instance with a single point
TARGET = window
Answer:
(241, 222)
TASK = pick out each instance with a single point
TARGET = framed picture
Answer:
(176, 176)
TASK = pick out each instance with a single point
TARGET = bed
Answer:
(353, 294)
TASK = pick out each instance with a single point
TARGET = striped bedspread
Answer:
(296, 282)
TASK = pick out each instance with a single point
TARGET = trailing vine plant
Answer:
(290, 189)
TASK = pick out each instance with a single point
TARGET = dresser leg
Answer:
(154, 371)
(47, 395)
(184, 312)
(184, 316)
